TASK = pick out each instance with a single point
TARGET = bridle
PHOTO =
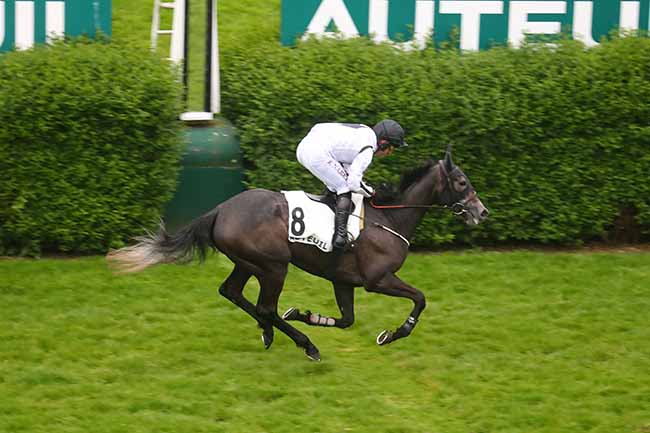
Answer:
(459, 208)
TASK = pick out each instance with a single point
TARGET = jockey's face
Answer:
(387, 151)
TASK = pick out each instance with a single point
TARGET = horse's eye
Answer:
(462, 183)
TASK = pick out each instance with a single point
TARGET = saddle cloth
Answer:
(312, 222)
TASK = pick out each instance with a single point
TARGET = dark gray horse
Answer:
(251, 229)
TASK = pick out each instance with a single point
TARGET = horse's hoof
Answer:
(384, 337)
(313, 354)
(267, 339)
(291, 314)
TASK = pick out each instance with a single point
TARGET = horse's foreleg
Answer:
(345, 301)
(392, 286)
(232, 289)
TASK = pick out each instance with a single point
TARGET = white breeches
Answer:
(321, 165)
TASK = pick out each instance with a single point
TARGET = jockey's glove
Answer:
(366, 190)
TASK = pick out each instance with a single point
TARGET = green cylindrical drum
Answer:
(211, 172)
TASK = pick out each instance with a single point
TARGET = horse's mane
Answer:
(389, 193)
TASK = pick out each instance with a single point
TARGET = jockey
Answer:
(339, 153)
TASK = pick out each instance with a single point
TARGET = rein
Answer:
(458, 208)
(401, 206)
(413, 206)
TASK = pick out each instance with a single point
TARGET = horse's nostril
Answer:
(485, 213)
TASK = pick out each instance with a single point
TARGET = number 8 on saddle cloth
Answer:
(312, 222)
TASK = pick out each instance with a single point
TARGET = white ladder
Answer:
(177, 32)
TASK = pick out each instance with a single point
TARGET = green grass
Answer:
(243, 24)
(510, 342)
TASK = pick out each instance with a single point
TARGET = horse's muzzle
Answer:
(472, 211)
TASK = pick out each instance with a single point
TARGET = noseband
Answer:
(460, 207)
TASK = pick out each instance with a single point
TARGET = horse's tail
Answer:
(191, 240)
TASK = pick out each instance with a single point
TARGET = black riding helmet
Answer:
(392, 131)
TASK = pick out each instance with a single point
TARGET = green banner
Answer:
(24, 23)
(479, 23)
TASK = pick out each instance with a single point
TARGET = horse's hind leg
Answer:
(232, 289)
(271, 283)
(345, 301)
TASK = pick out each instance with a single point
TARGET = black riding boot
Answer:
(343, 206)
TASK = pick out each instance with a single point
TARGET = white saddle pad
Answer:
(311, 222)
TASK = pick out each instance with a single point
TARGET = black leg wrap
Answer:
(408, 326)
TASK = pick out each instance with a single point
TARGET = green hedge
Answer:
(555, 139)
(89, 145)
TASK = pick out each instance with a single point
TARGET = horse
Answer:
(251, 229)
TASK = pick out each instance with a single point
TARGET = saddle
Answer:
(328, 198)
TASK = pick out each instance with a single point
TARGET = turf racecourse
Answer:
(510, 342)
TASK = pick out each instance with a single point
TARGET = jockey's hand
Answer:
(366, 190)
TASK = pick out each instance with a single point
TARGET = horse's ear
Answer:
(449, 164)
